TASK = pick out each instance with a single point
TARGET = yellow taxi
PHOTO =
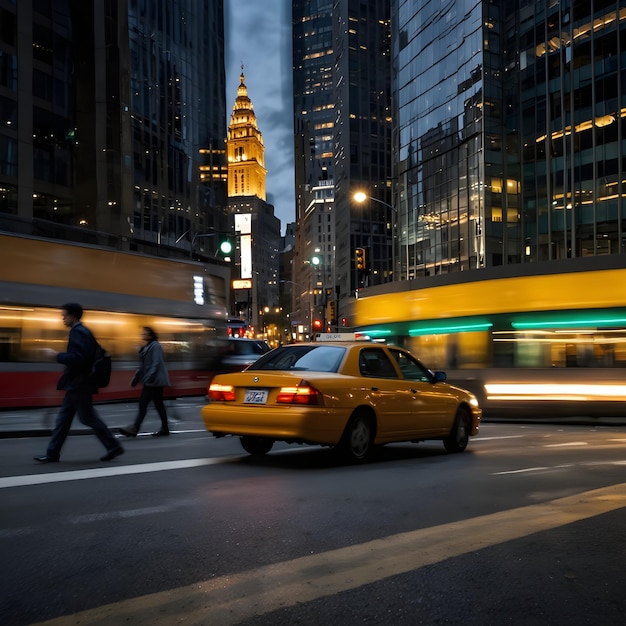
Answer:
(353, 395)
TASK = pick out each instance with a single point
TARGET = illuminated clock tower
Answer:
(256, 226)
(246, 153)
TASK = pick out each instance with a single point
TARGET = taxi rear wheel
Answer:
(357, 442)
(256, 445)
(457, 440)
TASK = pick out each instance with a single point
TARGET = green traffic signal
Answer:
(226, 247)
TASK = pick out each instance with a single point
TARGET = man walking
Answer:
(78, 360)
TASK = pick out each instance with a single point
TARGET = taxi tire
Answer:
(458, 438)
(357, 442)
(257, 446)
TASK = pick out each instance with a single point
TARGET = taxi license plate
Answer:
(255, 396)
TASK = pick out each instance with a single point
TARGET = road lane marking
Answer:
(560, 466)
(173, 432)
(103, 472)
(480, 438)
(231, 599)
(110, 515)
(521, 471)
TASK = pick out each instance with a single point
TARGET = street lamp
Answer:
(360, 197)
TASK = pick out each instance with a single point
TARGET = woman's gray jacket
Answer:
(152, 372)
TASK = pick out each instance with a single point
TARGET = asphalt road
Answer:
(525, 527)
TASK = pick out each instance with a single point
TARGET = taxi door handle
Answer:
(413, 390)
(374, 388)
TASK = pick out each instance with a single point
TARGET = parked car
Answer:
(242, 352)
(352, 395)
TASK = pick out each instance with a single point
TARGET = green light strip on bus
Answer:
(440, 330)
(376, 332)
(577, 323)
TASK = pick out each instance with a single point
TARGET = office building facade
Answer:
(113, 122)
(342, 121)
(508, 132)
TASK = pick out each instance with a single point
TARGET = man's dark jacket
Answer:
(78, 360)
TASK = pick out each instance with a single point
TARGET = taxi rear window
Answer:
(314, 358)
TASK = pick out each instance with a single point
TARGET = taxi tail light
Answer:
(221, 393)
(304, 393)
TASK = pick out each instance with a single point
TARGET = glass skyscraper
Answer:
(509, 132)
(568, 103)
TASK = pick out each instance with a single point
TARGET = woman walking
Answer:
(153, 374)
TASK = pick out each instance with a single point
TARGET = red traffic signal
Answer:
(317, 324)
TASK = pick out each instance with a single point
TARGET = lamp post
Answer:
(361, 197)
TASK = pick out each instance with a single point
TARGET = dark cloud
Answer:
(258, 35)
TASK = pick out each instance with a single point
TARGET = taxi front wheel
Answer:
(257, 446)
(457, 440)
(357, 442)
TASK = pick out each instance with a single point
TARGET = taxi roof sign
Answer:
(340, 337)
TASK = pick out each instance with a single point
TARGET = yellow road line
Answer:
(229, 600)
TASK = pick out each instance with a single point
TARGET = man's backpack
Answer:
(100, 374)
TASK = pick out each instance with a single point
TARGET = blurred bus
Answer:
(548, 343)
(185, 303)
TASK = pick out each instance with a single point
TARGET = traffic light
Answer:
(317, 324)
(331, 311)
(226, 248)
(359, 258)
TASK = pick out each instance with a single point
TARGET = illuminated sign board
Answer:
(243, 223)
(242, 283)
(198, 289)
(246, 256)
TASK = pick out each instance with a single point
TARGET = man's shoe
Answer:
(128, 432)
(161, 433)
(45, 459)
(109, 456)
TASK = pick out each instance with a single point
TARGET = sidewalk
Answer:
(38, 422)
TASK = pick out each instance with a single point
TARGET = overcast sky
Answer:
(258, 35)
